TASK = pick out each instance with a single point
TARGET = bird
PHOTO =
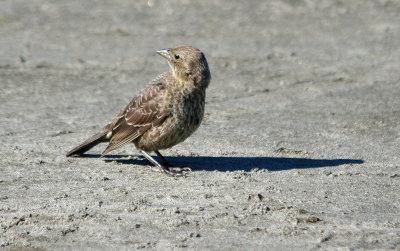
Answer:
(166, 112)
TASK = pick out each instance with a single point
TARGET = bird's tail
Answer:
(88, 144)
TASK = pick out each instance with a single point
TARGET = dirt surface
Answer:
(300, 147)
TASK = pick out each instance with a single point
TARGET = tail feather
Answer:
(88, 144)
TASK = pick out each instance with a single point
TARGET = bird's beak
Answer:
(165, 53)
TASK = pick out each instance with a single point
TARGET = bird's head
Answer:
(188, 63)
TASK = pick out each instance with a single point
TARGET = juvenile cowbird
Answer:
(163, 114)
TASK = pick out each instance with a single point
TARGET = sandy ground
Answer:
(300, 148)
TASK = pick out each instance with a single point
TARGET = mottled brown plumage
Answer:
(163, 114)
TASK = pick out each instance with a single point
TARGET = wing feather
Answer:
(143, 112)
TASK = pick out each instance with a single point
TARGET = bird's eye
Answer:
(176, 56)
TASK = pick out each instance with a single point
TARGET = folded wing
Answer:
(141, 114)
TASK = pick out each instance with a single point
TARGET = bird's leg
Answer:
(161, 168)
(164, 161)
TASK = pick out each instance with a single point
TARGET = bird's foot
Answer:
(165, 167)
(176, 168)
(180, 169)
(171, 171)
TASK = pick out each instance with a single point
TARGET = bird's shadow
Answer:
(224, 164)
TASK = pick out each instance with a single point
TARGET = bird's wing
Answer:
(142, 113)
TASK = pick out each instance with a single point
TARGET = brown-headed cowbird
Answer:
(163, 114)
